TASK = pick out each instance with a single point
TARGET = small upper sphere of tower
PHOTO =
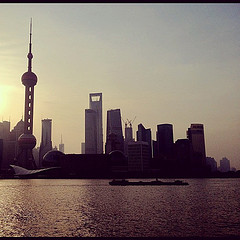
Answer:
(29, 79)
(30, 56)
(27, 140)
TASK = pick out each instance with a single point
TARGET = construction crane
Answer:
(128, 122)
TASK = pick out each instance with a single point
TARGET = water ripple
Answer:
(92, 208)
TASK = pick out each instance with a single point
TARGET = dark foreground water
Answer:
(93, 208)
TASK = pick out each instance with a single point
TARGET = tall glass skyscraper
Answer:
(114, 135)
(90, 132)
(93, 125)
(195, 134)
(145, 135)
(46, 141)
(165, 139)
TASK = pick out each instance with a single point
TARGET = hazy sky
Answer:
(163, 63)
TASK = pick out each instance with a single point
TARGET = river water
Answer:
(93, 208)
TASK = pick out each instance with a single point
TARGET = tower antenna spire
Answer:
(27, 141)
(30, 56)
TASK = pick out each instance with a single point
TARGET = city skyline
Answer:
(163, 63)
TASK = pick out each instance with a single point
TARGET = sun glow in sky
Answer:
(163, 63)
(7, 100)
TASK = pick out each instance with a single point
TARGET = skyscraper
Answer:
(183, 153)
(90, 132)
(10, 142)
(27, 141)
(138, 156)
(61, 146)
(211, 162)
(128, 136)
(17, 130)
(224, 165)
(114, 132)
(128, 133)
(165, 140)
(145, 135)
(5, 137)
(195, 134)
(93, 125)
(5, 130)
(46, 141)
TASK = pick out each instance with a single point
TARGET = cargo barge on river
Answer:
(141, 183)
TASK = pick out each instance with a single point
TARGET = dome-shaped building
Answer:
(117, 158)
(52, 158)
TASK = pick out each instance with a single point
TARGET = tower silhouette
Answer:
(195, 134)
(164, 140)
(46, 141)
(114, 135)
(27, 141)
(93, 125)
(145, 135)
(61, 146)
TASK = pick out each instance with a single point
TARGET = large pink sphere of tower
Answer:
(29, 79)
(27, 141)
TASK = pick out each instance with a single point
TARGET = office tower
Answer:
(145, 135)
(10, 142)
(13, 148)
(183, 153)
(195, 134)
(114, 133)
(138, 156)
(5, 136)
(128, 133)
(27, 141)
(17, 130)
(95, 102)
(90, 132)
(165, 140)
(212, 163)
(224, 165)
(46, 142)
(93, 125)
(61, 146)
(5, 130)
(128, 136)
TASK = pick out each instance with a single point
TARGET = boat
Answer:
(157, 182)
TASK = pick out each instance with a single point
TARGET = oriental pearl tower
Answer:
(27, 141)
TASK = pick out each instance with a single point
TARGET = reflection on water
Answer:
(92, 208)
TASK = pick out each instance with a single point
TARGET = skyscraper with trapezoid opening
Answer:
(93, 125)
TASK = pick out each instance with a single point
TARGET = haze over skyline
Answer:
(163, 63)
